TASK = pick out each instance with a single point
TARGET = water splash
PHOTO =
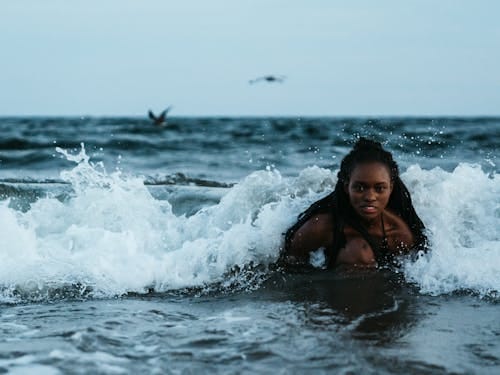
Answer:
(462, 212)
(111, 237)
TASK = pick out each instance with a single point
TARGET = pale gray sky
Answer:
(352, 57)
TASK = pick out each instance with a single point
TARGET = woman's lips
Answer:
(368, 209)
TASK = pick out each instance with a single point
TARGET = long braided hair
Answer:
(337, 203)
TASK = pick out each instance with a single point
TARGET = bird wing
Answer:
(151, 115)
(163, 115)
(268, 78)
(255, 80)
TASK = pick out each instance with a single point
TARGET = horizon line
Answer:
(299, 116)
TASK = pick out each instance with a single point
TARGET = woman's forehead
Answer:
(370, 171)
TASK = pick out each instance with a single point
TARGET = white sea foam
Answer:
(112, 236)
(461, 210)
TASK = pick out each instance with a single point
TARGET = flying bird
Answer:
(161, 119)
(269, 78)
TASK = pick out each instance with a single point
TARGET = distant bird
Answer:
(270, 79)
(160, 120)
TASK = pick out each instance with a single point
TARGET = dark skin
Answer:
(369, 189)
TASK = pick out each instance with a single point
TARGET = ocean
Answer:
(129, 248)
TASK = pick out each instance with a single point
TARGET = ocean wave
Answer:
(111, 236)
(177, 178)
(462, 212)
(182, 179)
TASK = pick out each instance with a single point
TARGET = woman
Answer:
(366, 220)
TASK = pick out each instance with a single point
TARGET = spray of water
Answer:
(110, 236)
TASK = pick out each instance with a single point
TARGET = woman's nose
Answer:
(369, 195)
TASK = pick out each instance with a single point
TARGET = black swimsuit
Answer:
(381, 251)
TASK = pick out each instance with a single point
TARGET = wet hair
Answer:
(337, 203)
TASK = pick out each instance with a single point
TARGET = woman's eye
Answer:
(380, 189)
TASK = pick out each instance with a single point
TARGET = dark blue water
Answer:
(230, 148)
(129, 248)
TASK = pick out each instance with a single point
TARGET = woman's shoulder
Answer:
(397, 227)
(318, 229)
(392, 218)
(319, 223)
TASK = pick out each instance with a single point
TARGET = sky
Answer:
(340, 58)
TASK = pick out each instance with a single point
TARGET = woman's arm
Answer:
(315, 233)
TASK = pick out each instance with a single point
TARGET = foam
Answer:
(461, 210)
(111, 236)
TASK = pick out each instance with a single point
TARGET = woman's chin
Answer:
(368, 215)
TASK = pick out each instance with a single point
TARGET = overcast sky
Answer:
(352, 57)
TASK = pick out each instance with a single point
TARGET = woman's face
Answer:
(369, 189)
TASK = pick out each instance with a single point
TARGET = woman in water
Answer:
(365, 221)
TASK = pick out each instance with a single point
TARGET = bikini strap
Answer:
(385, 242)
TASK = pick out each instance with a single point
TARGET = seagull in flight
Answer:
(268, 78)
(161, 119)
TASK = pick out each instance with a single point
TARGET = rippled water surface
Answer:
(299, 324)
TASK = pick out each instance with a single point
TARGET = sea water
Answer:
(128, 248)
